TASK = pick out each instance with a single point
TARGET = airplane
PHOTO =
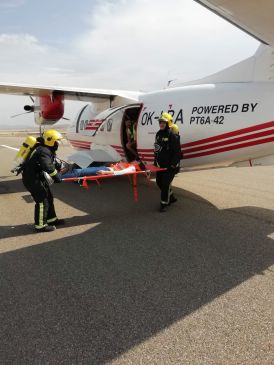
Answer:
(225, 119)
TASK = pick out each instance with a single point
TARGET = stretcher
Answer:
(83, 181)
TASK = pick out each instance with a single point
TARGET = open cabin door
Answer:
(109, 140)
(131, 112)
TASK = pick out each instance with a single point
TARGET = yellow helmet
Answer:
(167, 118)
(174, 128)
(51, 136)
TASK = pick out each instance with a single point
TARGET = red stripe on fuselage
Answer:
(81, 147)
(80, 144)
(230, 134)
(230, 148)
(230, 141)
(230, 144)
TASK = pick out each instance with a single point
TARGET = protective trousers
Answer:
(44, 211)
(164, 180)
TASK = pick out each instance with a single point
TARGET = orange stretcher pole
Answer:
(135, 191)
(84, 180)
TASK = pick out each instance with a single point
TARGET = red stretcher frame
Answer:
(149, 169)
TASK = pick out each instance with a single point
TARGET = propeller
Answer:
(30, 109)
(17, 115)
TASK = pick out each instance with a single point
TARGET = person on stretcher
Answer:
(119, 168)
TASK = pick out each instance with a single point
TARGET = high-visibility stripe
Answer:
(52, 220)
(131, 132)
(55, 172)
(32, 153)
(40, 217)
(40, 227)
(168, 195)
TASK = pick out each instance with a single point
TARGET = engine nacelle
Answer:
(49, 109)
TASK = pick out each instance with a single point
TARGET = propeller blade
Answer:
(17, 115)
(31, 98)
(65, 118)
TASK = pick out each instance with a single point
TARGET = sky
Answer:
(112, 44)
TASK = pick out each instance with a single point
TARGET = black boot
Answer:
(45, 229)
(172, 199)
(142, 166)
(163, 207)
(58, 222)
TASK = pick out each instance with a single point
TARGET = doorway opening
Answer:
(129, 134)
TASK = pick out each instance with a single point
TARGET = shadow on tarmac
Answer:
(24, 229)
(90, 297)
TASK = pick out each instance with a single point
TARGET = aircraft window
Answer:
(112, 122)
(109, 124)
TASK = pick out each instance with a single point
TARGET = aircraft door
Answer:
(129, 131)
(112, 130)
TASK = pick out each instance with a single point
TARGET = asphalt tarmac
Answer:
(121, 283)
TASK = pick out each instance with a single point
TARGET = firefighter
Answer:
(131, 137)
(39, 171)
(167, 154)
(173, 127)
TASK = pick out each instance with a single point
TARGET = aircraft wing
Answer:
(91, 95)
(253, 16)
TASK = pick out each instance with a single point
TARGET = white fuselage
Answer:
(220, 124)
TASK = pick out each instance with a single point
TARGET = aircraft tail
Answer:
(259, 67)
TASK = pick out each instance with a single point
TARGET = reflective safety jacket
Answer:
(41, 159)
(167, 149)
(131, 133)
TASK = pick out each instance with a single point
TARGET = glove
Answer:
(58, 166)
(57, 178)
(142, 166)
(174, 169)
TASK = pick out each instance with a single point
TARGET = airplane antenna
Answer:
(170, 81)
